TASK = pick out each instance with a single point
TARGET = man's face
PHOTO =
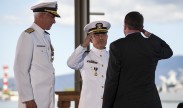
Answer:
(49, 20)
(99, 40)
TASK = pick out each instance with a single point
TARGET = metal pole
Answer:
(97, 13)
(81, 19)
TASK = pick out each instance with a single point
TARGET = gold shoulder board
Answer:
(29, 30)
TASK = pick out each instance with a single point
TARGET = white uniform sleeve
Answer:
(75, 61)
(22, 65)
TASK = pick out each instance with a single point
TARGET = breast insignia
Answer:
(92, 61)
(29, 30)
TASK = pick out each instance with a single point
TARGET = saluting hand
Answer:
(87, 40)
(146, 33)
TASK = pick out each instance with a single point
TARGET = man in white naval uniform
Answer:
(33, 68)
(92, 64)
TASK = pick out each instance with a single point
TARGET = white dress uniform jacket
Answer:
(93, 68)
(33, 69)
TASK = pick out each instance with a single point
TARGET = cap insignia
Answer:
(99, 25)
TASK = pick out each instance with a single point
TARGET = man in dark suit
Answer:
(130, 81)
(180, 105)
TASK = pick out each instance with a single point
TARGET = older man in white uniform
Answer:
(33, 68)
(92, 64)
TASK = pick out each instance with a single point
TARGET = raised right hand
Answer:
(146, 33)
(87, 40)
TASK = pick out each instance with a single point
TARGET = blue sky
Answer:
(162, 17)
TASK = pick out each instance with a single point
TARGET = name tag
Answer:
(41, 46)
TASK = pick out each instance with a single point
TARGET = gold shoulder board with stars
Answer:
(29, 30)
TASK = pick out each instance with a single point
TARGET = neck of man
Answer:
(39, 23)
(130, 31)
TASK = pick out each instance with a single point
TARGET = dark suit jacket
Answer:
(180, 105)
(130, 81)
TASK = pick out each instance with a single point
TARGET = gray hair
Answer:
(36, 14)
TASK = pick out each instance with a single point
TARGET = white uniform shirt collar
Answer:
(38, 29)
(98, 52)
(131, 33)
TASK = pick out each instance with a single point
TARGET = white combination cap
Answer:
(97, 27)
(50, 7)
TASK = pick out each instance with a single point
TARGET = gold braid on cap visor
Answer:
(98, 30)
(53, 12)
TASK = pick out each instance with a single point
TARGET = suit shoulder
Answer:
(29, 30)
(118, 41)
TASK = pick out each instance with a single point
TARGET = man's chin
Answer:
(48, 28)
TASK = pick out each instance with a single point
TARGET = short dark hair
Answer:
(134, 20)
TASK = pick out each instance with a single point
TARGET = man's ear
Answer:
(91, 37)
(125, 27)
(142, 29)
